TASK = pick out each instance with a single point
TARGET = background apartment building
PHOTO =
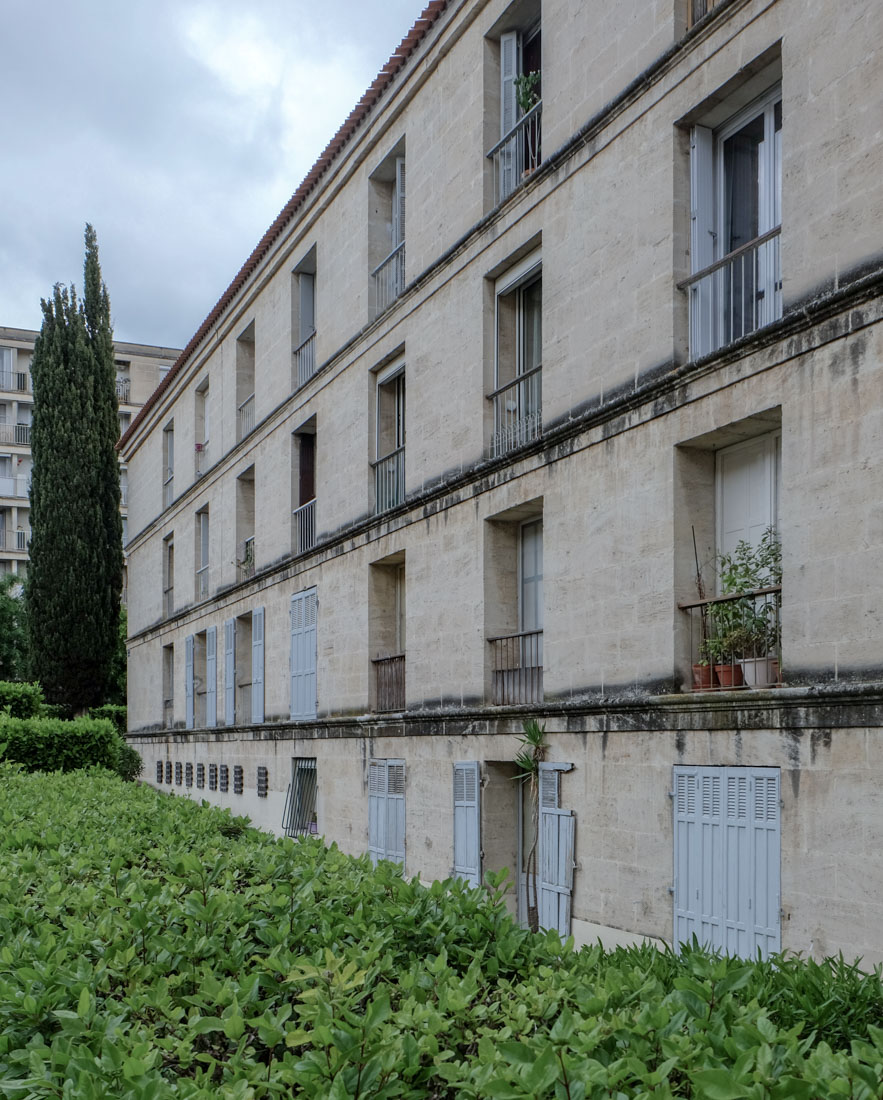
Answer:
(432, 466)
(140, 368)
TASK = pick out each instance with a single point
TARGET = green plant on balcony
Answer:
(745, 629)
(527, 90)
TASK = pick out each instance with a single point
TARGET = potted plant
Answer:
(527, 95)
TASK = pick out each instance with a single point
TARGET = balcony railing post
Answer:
(305, 360)
(518, 412)
(389, 480)
(245, 417)
(390, 682)
(517, 670)
(389, 279)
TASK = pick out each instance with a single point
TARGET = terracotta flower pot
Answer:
(729, 676)
(703, 677)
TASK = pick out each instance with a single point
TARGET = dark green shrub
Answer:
(21, 700)
(116, 714)
(129, 765)
(48, 744)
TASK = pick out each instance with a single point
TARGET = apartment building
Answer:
(581, 298)
(140, 368)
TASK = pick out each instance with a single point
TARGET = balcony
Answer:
(16, 433)
(18, 486)
(517, 671)
(518, 412)
(389, 279)
(304, 527)
(123, 387)
(202, 457)
(517, 155)
(305, 361)
(736, 641)
(245, 561)
(245, 418)
(168, 488)
(389, 481)
(202, 582)
(14, 540)
(735, 295)
(15, 381)
(389, 674)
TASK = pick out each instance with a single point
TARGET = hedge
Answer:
(21, 700)
(151, 950)
(50, 744)
(118, 715)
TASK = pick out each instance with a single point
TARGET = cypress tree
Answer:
(75, 574)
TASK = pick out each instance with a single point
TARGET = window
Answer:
(245, 360)
(514, 605)
(245, 546)
(386, 810)
(202, 551)
(736, 220)
(303, 319)
(303, 488)
(517, 397)
(302, 660)
(168, 447)
(124, 486)
(299, 814)
(389, 468)
(201, 446)
(386, 633)
(244, 669)
(169, 574)
(518, 151)
(546, 876)
(386, 230)
(696, 9)
(727, 859)
(168, 686)
(201, 678)
(123, 381)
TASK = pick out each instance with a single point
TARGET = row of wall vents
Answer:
(218, 777)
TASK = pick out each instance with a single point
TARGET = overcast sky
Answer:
(179, 128)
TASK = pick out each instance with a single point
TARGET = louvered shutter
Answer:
(766, 846)
(302, 658)
(230, 672)
(211, 676)
(703, 337)
(188, 681)
(257, 665)
(398, 204)
(395, 811)
(467, 830)
(556, 854)
(377, 810)
(510, 67)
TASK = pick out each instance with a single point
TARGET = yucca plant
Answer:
(527, 760)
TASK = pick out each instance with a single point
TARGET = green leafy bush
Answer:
(50, 744)
(116, 714)
(21, 700)
(147, 952)
(129, 763)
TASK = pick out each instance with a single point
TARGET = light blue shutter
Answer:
(230, 672)
(510, 67)
(766, 847)
(257, 665)
(556, 849)
(703, 234)
(188, 681)
(302, 659)
(467, 829)
(211, 676)
(377, 810)
(395, 811)
(307, 289)
(398, 204)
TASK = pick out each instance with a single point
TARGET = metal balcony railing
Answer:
(305, 360)
(245, 418)
(14, 540)
(735, 295)
(15, 433)
(697, 8)
(389, 279)
(518, 153)
(517, 672)
(169, 599)
(736, 641)
(18, 485)
(202, 582)
(246, 559)
(518, 412)
(304, 527)
(168, 487)
(389, 480)
(389, 673)
(123, 388)
(15, 381)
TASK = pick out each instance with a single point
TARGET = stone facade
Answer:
(684, 245)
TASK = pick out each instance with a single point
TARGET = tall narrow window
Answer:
(168, 446)
(202, 554)
(386, 633)
(518, 151)
(302, 657)
(169, 574)
(202, 428)
(245, 382)
(517, 398)
(386, 230)
(303, 488)
(299, 815)
(736, 201)
(168, 686)
(303, 319)
(389, 469)
(245, 529)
